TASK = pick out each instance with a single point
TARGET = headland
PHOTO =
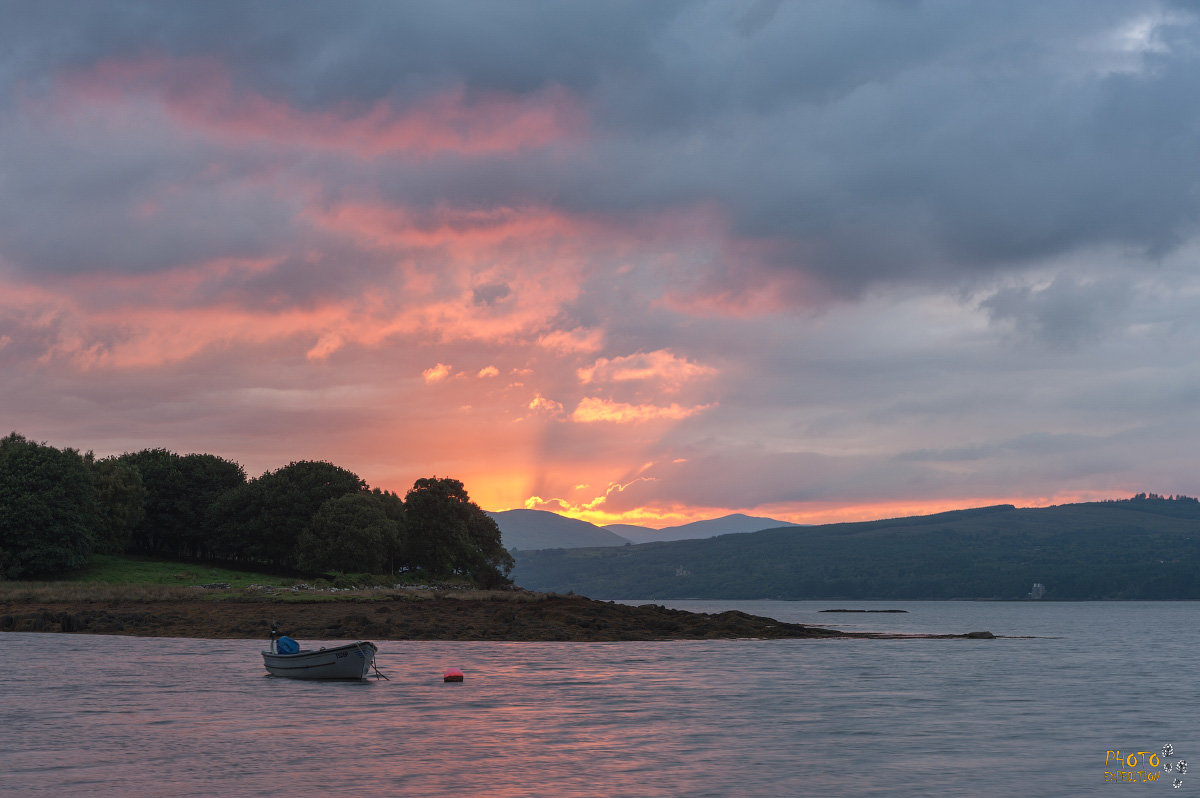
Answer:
(399, 614)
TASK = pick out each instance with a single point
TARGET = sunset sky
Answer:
(647, 262)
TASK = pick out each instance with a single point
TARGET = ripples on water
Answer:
(116, 715)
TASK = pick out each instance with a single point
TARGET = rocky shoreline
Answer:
(513, 616)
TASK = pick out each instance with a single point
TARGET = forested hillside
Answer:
(1143, 548)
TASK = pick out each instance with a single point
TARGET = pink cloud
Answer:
(130, 330)
(466, 232)
(466, 274)
(578, 340)
(326, 345)
(199, 94)
(118, 320)
(124, 320)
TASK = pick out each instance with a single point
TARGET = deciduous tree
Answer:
(180, 490)
(448, 533)
(120, 502)
(351, 533)
(47, 508)
(263, 521)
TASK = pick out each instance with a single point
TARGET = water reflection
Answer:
(115, 715)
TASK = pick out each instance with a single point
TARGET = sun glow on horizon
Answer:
(805, 514)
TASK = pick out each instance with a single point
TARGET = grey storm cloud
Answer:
(868, 141)
(1062, 314)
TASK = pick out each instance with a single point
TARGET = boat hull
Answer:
(351, 661)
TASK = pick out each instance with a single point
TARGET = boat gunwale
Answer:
(295, 662)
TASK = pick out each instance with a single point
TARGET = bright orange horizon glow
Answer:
(818, 513)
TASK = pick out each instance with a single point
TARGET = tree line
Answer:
(59, 506)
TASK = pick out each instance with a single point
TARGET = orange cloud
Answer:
(436, 373)
(595, 509)
(660, 365)
(541, 404)
(537, 502)
(591, 409)
(487, 372)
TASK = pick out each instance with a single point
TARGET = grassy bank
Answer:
(143, 596)
(128, 578)
(111, 569)
(157, 598)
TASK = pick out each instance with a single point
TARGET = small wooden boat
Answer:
(287, 659)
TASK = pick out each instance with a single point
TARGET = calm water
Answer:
(115, 715)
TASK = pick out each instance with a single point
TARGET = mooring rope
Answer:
(378, 673)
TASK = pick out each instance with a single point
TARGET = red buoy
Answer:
(452, 675)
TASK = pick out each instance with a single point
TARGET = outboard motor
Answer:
(282, 644)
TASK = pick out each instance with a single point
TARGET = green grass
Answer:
(127, 578)
(113, 569)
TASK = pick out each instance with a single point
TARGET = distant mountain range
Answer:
(726, 525)
(1143, 548)
(538, 529)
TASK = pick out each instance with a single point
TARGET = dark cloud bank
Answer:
(994, 205)
(869, 141)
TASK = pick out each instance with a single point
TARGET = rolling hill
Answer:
(1135, 549)
(726, 525)
(539, 529)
